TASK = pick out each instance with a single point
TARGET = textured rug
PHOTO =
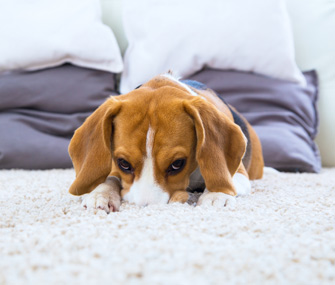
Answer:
(283, 233)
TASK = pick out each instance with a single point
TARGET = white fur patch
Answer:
(145, 190)
(105, 196)
(171, 77)
(216, 199)
(242, 184)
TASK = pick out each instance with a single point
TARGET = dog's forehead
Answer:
(163, 102)
(165, 117)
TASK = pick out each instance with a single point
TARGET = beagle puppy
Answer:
(161, 141)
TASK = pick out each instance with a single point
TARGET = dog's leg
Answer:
(179, 197)
(105, 197)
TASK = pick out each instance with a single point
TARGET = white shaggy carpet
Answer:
(283, 233)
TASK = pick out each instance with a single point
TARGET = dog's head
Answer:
(152, 139)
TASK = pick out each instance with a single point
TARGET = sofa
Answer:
(283, 82)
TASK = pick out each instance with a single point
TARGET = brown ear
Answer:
(90, 148)
(220, 145)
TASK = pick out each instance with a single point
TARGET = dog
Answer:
(159, 142)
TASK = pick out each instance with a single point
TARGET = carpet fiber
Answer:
(284, 232)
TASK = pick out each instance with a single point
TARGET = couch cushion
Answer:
(313, 25)
(40, 110)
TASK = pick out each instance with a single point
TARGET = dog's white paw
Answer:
(216, 199)
(104, 197)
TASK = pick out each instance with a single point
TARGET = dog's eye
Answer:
(176, 166)
(124, 165)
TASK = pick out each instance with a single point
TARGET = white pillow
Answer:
(37, 34)
(186, 35)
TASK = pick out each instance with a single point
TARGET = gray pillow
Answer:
(284, 114)
(40, 110)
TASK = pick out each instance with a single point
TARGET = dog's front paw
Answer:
(216, 199)
(104, 197)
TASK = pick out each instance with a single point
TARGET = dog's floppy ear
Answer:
(90, 148)
(220, 145)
